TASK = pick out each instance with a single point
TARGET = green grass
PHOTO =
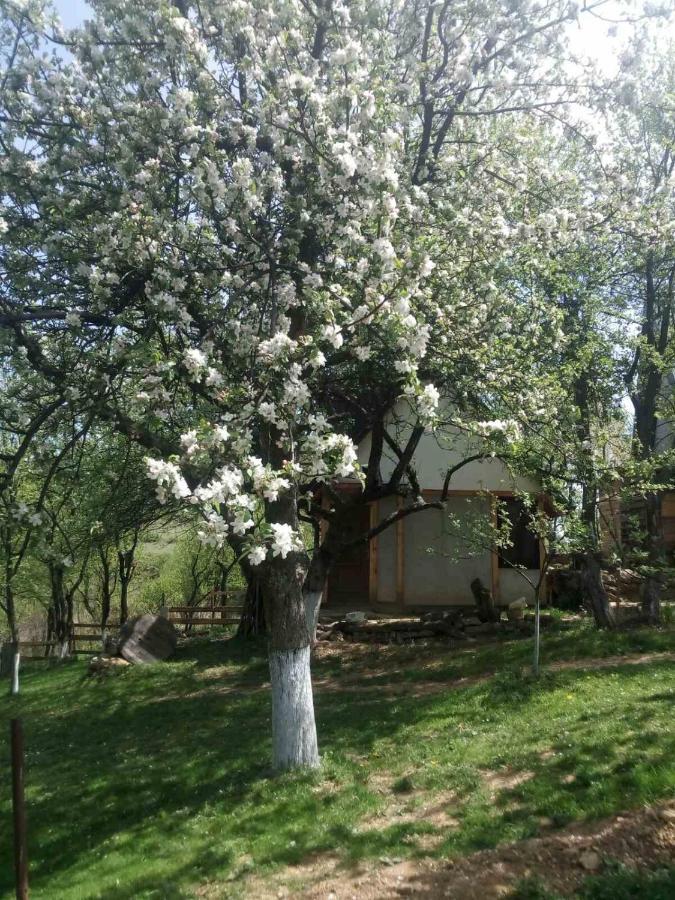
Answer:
(618, 883)
(154, 781)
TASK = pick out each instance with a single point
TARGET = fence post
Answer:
(19, 810)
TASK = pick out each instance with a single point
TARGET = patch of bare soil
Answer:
(639, 839)
(411, 806)
(505, 779)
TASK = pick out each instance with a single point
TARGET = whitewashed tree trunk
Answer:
(16, 665)
(281, 582)
(293, 726)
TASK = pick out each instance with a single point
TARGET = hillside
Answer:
(154, 782)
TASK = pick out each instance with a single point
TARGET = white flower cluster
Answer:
(327, 455)
(237, 491)
(284, 540)
(23, 514)
(425, 402)
(507, 428)
(169, 479)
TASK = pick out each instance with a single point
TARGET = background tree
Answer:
(643, 131)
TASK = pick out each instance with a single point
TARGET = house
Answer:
(430, 558)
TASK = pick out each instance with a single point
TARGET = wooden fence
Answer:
(192, 617)
(88, 633)
(86, 637)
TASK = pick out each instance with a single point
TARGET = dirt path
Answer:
(365, 682)
(372, 681)
(639, 839)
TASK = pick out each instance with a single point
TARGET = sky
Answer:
(589, 38)
(72, 12)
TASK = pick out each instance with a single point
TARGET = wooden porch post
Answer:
(494, 554)
(400, 558)
(372, 554)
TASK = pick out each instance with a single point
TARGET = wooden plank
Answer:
(494, 554)
(206, 617)
(436, 492)
(541, 508)
(206, 610)
(205, 613)
(372, 553)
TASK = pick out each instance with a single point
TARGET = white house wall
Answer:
(422, 561)
(438, 566)
(513, 586)
(439, 451)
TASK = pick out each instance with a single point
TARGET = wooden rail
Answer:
(87, 633)
(204, 616)
(192, 617)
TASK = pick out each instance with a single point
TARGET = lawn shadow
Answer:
(162, 760)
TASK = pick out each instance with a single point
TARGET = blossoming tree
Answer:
(241, 230)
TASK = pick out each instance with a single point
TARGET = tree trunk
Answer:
(315, 582)
(293, 725)
(312, 607)
(16, 664)
(589, 563)
(651, 598)
(124, 601)
(651, 601)
(537, 632)
(125, 569)
(10, 610)
(252, 621)
(106, 599)
(595, 592)
(10, 661)
(60, 614)
(656, 329)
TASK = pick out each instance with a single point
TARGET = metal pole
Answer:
(19, 809)
(537, 621)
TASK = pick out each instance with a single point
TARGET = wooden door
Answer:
(348, 580)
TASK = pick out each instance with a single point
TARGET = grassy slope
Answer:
(153, 781)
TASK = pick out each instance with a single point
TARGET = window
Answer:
(524, 549)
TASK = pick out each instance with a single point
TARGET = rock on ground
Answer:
(147, 639)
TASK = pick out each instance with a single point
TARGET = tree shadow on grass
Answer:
(159, 779)
(130, 756)
(590, 772)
